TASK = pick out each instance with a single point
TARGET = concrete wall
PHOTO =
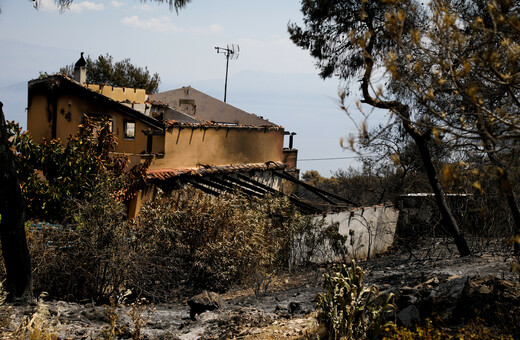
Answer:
(369, 230)
(190, 147)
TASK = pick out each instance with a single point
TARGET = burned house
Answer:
(187, 136)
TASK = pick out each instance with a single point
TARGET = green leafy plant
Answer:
(54, 175)
(350, 310)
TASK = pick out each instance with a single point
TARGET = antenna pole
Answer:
(225, 84)
(229, 53)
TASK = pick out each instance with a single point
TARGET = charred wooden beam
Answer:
(245, 184)
(203, 188)
(316, 191)
(300, 204)
(232, 186)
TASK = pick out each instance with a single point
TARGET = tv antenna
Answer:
(230, 52)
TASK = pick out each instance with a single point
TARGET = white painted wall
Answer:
(369, 230)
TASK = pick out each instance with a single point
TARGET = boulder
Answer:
(294, 307)
(205, 301)
(409, 316)
(448, 296)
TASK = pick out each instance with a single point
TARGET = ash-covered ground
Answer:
(431, 281)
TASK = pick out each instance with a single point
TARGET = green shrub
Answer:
(348, 309)
(189, 239)
(54, 174)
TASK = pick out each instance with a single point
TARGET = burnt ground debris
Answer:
(447, 288)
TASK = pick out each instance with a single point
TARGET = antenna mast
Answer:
(230, 52)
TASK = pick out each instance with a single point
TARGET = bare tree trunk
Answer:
(420, 138)
(12, 229)
(447, 217)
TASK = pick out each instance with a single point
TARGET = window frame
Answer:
(126, 124)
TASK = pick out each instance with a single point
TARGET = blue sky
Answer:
(272, 77)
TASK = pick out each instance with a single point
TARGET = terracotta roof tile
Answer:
(163, 174)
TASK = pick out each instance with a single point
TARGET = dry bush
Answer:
(86, 259)
(204, 242)
(178, 245)
(40, 325)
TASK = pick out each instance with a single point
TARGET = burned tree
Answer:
(12, 228)
(351, 39)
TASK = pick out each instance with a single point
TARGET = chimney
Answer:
(80, 70)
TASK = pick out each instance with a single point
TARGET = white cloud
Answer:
(165, 24)
(143, 7)
(116, 4)
(76, 7)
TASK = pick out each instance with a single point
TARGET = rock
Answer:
(405, 300)
(168, 336)
(409, 316)
(96, 314)
(448, 296)
(294, 307)
(452, 289)
(205, 301)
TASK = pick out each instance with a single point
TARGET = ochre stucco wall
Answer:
(189, 147)
(39, 122)
(120, 94)
(184, 147)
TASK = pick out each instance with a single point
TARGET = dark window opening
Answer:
(149, 144)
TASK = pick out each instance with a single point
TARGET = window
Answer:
(129, 130)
